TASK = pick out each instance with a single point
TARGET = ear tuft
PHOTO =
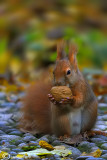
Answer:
(61, 50)
(72, 55)
(73, 49)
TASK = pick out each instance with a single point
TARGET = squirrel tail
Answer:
(36, 113)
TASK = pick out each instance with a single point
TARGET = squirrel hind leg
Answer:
(36, 112)
(28, 125)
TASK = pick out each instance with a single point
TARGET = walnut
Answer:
(61, 92)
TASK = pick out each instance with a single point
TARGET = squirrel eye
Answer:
(68, 72)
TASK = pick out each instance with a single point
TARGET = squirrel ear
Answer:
(72, 55)
(60, 50)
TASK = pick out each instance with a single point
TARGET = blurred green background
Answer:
(30, 30)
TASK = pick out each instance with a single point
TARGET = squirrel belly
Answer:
(75, 121)
(66, 122)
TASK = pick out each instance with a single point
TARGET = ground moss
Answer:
(28, 148)
(84, 149)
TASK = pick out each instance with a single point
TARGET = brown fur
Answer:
(84, 98)
(60, 50)
(36, 111)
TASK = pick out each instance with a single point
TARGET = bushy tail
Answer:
(36, 117)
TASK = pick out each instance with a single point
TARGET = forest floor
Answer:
(13, 141)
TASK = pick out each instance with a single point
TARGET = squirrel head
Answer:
(66, 70)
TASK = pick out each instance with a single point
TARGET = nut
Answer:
(61, 92)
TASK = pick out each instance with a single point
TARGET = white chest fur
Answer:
(75, 121)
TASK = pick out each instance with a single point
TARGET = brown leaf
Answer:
(74, 139)
(93, 133)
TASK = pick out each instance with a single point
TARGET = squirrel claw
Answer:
(49, 95)
(67, 100)
(68, 97)
(52, 99)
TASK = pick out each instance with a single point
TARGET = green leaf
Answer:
(59, 150)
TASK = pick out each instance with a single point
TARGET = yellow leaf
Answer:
(46, 145)
(3, 154)
(20, 156)
(97, 153)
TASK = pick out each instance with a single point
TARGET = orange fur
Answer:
(60, 50)
(36, 111)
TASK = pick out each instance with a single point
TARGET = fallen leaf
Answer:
(46, 145)
(59, 147)
(32, 153)
(20, 156)
(61, 151)
(74, 139)
(3, 154)
(96, 153)
(94, 132)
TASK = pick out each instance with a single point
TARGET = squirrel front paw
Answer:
(68, 100)
(52, 99)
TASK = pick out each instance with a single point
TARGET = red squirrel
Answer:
(42, 114)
